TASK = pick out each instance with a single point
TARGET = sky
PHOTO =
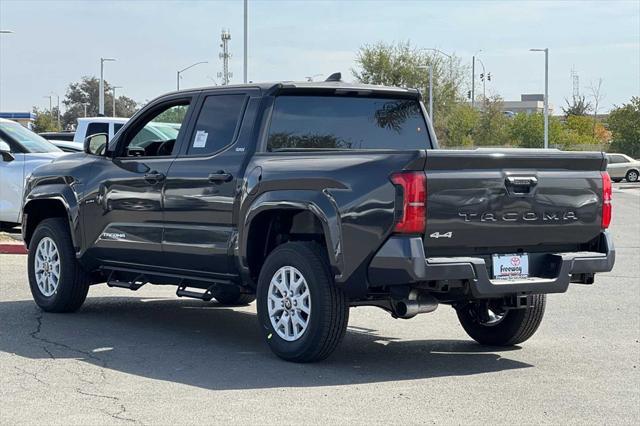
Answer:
(57, 42)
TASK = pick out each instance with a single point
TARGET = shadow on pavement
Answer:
(209, 346)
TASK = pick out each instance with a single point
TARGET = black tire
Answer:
(632, 176)
(327, 322)
(516, 326)
(73, 283)
(232, 296)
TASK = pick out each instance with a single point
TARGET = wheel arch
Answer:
(274, 218)
(51, 201)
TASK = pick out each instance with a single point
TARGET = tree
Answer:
(404, 65)
(577, 106)
(624, 123)
(493, 126)
(45, 121)
(460, 125)
(597, 97)
(84, 93)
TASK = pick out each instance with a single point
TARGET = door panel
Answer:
(123, 208)
(202, 187)
(11, 188)
(123, 211)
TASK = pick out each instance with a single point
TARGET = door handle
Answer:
(220, 177)
(154, 177)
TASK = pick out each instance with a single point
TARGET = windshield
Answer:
(29, 141)
(336, 122)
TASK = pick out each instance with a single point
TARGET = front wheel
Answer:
(302, 313)
(57, 281)
(632, 176)
(488, 324)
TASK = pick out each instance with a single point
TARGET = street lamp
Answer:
(184, 69)
(546, 94)
(484, 78)
(473, 78)
(430, 68)
(101, 89)
(58, 112)
(6, 32)
(114, 98)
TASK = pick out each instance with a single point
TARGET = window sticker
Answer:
(201, 139)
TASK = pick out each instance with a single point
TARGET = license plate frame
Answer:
(509, 267)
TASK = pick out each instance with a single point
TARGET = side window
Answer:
(156, 136)
(217, 123)
(117, 127)
(95, 128)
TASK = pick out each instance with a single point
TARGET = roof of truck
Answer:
(338, 86)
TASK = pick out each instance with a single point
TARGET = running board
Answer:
(134, 284)
(206, 295)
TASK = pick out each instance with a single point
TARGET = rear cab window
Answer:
(346, 123)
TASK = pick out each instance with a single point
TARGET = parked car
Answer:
(67, 146)
(22, 151)
(314, 198)
(58, 136)
(88, 126)
(622, 166)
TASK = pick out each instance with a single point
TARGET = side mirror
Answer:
(96, 144)
(5, 151)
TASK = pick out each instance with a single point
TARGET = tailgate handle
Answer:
(521, 184)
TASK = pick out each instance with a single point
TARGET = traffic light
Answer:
(481, 76)
(469, 94)
(489, 76)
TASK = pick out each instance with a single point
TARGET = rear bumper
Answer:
(402, 261)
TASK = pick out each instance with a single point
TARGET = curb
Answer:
(12, 248)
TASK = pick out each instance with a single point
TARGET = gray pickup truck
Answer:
(314, 198)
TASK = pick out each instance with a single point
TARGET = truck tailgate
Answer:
(492, 201)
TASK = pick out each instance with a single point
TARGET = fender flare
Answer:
(60, 192)
(320, 203)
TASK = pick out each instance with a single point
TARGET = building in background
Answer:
(24, 118)
(528, 103)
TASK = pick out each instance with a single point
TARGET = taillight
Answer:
(412, 219)
(606, 200)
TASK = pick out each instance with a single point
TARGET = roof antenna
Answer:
(336, 76)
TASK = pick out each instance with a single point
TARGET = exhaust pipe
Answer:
(416, 303)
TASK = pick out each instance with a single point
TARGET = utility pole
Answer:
(546, 94)
(101, 89)
(114, 98)
(50, 104)
(58, 112)
(246, 38)
(225, 55)
(473, 81)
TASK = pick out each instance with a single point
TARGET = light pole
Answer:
(101, 88)
(484, 87)
(6, 32)
(473, 78)
(184, 69)
(58, 112)
(50, 106)
(114, 98)
(246, 35)
(430, 68)
(546, 94)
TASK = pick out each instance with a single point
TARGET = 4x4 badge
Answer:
(439, 235)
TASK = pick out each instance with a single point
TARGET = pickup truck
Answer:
(314, 198)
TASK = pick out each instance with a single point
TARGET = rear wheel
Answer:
(302, 313)
(57, 281)
(632, 176)
(488, 324)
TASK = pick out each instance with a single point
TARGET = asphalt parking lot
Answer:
(148, 357)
